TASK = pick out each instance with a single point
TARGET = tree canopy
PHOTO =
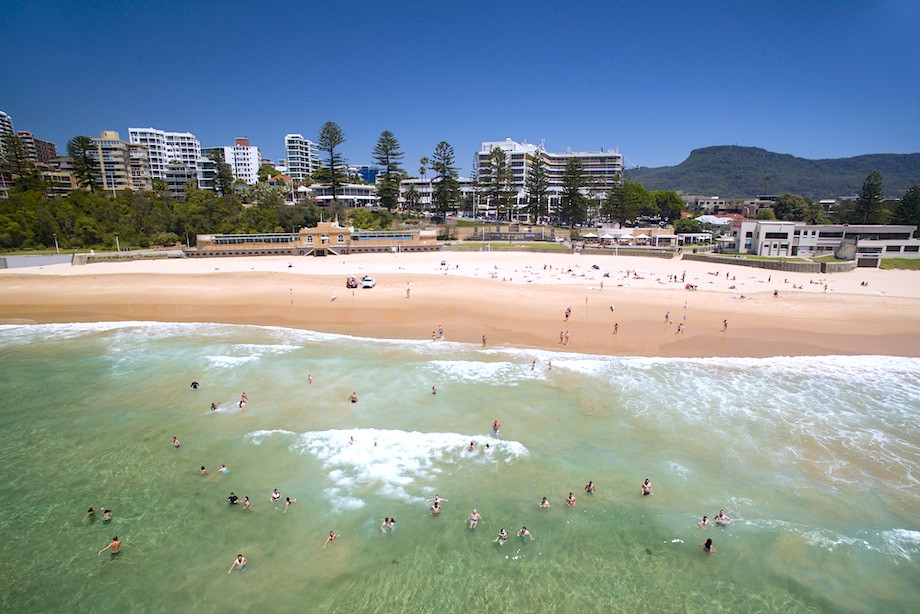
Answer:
(330, 137)
(573, 205)
(537, 186)
(387, 154)
(446, 187)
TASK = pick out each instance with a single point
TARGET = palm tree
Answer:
(423, 169)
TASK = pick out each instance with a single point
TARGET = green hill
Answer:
(730, 171)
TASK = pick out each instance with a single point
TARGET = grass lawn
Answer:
(910, 264)
(511, 246)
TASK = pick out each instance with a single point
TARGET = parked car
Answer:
(351, 282)
(368, 282)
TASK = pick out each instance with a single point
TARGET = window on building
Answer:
(911, 248)
(776, 235)
(341, 238)
(892, 248)
(309, 238)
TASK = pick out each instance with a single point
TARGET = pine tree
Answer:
(330, 137)
(386, 153)
(447, 188)
(537, 186)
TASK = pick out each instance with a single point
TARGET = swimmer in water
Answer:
(385, 525)
(488, 449)
(496, 428)
(435, 508)
(544, 503)
(194, 385)
(646, 487)
(275, 496)
(471, 447)
(722, 519)
(202, 471)
(392, 525)
(434, 390)
(353, 398)
(309, 379)
(238, 563)
(589, 488)
(223, 469)
(114, 546)
(232, 499)
(437, 500)
(704, 522)
(707, 545)
(502, 536)
(91, 514)
(524, 534)
(570, 500)
(246, 503)
(474, 519)
(213, 406)
(332, 536)
(287, 503)
(175, 443)
(106, 514)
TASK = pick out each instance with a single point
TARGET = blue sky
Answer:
(816, 79)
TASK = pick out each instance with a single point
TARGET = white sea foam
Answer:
(230, 361)
(496, 373)
(390, 463)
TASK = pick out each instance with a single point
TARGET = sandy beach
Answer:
(514, 299)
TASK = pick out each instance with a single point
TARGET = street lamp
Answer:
(56, 248)
(117, 244)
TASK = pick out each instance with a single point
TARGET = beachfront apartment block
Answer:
(37, 150)
(865, 243)
(119, 165)
(603, 169)
(242, 158)
(167, 149)
(301, 156)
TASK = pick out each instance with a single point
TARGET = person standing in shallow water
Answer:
(707, 546)
(646, 487)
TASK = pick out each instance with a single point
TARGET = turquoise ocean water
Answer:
(817, 460)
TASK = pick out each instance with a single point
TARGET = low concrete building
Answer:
(326, 238)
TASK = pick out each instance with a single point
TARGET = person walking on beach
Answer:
(667, 317)
(483, 341)
(646, 487)
(724, 325)
(114, 546)
(616, 327)
(566, 342)
(238, 563)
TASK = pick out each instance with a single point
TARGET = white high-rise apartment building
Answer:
(166, 147)
(604, 168)
(244, 159)
(302, 156)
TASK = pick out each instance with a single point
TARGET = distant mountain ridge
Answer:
(730, 171)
